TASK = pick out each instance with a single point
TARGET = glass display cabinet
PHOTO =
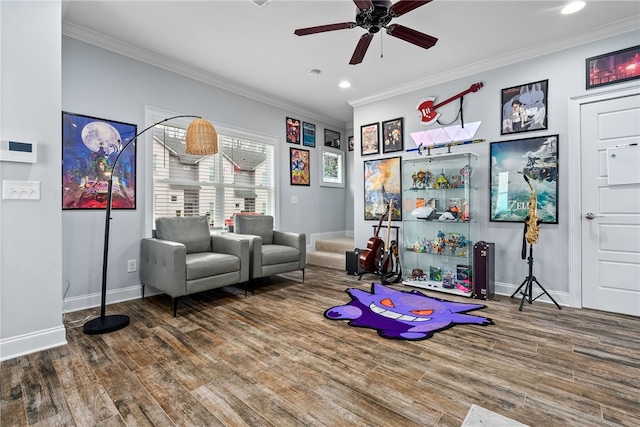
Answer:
(439, 220)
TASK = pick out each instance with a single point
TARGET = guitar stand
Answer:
(527, 284)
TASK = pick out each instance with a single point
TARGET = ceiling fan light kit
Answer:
(373, 15)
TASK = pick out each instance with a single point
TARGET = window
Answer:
(239, 178)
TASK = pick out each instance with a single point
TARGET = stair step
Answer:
(338, 245)
(327, 259)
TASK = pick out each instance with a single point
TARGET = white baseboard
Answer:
(22, 345)
(118, 295)
(562, 298)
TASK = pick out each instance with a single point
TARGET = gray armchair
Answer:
(185, 258)
(271, 251)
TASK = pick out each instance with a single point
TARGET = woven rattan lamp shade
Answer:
(202, 138)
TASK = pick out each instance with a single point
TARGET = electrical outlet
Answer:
(132, 266)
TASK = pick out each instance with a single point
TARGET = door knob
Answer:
(590, 215)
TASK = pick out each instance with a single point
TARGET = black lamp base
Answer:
(106, 324)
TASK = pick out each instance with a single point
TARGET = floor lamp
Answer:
(201, 139)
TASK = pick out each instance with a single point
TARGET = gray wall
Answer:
(30, 232)
(565, 71)
(98, 82)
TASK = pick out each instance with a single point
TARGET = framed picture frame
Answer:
(293, 130)
(382, 182)
(524, 108)
(510, 161)
(308, 134)
(370, 139)
(90, 146)
(393, 135)
(332, 167)
(350, 143)
(613, 67)
(331, 138)
(299, 166)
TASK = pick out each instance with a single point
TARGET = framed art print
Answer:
(524, 108)
(331, 138)
(299, 164)
(332, 168)
(293, 131)
(537, 159)
(382, 182)
(350, 143)
(90, 146)
(614, 67)
(369, 139)
(393, 135)
(308, 134)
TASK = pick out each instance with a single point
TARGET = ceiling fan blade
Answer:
(324, 28)
(361, 49)
(403, 6)
(363, 4)
(412, 36)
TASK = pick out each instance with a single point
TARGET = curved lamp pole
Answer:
(201, 139)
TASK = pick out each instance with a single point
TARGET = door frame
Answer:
(574, 178)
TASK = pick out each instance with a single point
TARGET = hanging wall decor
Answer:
(293, 130)
(370, 139)
(524, 108)
(308, 134)
(90, 146)
(331, 138)
(332, 168)
(382, 183)
(393, 135)
(299, 164)
(614, 67)
(510, 161)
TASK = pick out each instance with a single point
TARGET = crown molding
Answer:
(100, 40)
(619, 27)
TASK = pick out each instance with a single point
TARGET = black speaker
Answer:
(352, 259)
(483, 278)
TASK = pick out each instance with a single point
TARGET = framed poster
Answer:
(90, 146)
(369, 139)
(536, 158)
(614, 67)
(524, 107)
(332, 168)
(299, 164)
(350, 142)
(393, 135)
(382, 182)
(308, 134)
(331, 138)
(293, 131)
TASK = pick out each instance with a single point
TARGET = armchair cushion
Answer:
(192, 231)
(208, 264)
(279, 254)
(259, 225)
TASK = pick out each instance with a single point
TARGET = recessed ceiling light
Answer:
(344, 84)
(573, 7)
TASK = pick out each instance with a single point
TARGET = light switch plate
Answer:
(20, 190)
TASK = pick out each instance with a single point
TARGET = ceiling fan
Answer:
(372, 15)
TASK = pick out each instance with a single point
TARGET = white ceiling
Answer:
(252, 50)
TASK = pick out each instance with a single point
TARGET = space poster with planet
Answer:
(90, 147)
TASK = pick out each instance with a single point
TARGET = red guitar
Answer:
(370, 257)
(428, 113)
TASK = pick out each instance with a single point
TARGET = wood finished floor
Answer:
(272, 359)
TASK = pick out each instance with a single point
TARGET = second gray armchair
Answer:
(271, 251)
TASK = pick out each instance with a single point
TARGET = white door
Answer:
(610, 214)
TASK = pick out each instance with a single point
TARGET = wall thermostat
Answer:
(13, 151)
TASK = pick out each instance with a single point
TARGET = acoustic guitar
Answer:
(386, 263)
(370, 257)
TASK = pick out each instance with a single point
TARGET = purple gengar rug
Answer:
(403, 315)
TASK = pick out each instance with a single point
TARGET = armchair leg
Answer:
(303, 275)
(174, 302)
(143, 291)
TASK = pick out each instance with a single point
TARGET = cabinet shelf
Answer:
(444, 184)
